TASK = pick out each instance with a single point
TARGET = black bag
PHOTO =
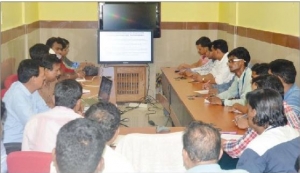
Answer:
(91, 70)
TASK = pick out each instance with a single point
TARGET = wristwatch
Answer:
(222, 102)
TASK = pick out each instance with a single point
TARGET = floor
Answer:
(140, 117)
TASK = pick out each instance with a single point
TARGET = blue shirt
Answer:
(20, 106)
(292, 98)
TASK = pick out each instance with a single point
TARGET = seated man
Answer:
(40, 131)
(22, 101)
(56, 44)
(38, 51)
(277, 146)
(220, 73)
(108, 117)
(286, 72)
(79, 148)
(257, 70)
(235, 147)
(236, 93)
(52, 73)
(204, 65)
(202, 148)
(3, 152)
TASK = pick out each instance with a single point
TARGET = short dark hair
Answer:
(241, 53)
(79, 146)
(220, 44)
(202, 142)
(203, 41)
(107, 115)
(268, 104)
(269, 81)
(38, 51)
(285, 69)
(27, 69)
(49, 60)
(260, 68)
(65, 41)
(62, 42)
(53, 40)
(67, 92)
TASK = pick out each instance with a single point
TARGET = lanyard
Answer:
(243, 81)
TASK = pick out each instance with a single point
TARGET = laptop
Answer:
(103, 94)
(105, 89)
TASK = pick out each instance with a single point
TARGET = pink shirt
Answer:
(41, 130)
(204, 59)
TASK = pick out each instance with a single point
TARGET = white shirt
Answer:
(221, 70)
(41, 130)
(114, 162)
(3, 159)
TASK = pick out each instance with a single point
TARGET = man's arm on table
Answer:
(234, 148)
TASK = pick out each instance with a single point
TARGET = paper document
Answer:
(85, 91)
(80, 79)
(202, 91)
(230, 136)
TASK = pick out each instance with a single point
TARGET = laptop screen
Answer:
(105, 89)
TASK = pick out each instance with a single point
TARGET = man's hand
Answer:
(197, 77)
(207, 86)
(214, 100)
(81, 74)
(188, 72)
(212, 92)
(241, 121)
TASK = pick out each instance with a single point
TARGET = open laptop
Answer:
(103, 94)
(105, 89)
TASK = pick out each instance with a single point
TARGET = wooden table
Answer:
(146, 130)
(183, 110)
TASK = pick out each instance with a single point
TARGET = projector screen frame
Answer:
(124, 62)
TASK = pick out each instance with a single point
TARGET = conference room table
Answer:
(184, 104)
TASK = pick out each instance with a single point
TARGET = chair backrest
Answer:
(29, 161)
(9, 80)
(153, 152)
(3, 91)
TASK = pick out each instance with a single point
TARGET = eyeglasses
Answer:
(234, 60)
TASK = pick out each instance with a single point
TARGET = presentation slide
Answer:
(125, 46)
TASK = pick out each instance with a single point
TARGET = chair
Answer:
(29, 161)
(3, 91)
(153, 152)
(9, 80)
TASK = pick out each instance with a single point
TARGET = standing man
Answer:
(236, 93)
(22, 101)
(286, 72)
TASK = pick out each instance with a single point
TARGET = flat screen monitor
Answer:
(125, 47)
(130, 16)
